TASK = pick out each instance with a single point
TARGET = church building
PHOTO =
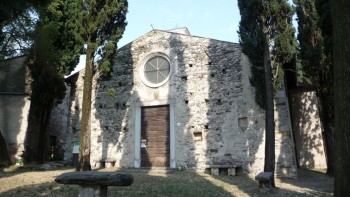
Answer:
(181, 101)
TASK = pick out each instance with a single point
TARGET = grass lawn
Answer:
(161, 183)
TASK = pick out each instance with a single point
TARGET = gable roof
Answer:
(183, 31)
(180, 31)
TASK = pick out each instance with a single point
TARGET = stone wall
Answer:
(59, 136)
(75, 97)
(308, 130)
(213, 115)
(14, 104)
(286, 165)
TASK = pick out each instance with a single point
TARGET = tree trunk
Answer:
(32, 140)
(36, 137)
(84, 149)
(44, 124)
(269, 165)
(4, 157)
(341, 59)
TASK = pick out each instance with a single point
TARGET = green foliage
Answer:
(55, 51)
(100, 25)
(16, 35)
(20, 162)
(111, 92)
(16, 26)
(310, 38)
(315, 38)
(277, 17)
(250, 32)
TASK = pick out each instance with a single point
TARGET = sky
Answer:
(205, 18)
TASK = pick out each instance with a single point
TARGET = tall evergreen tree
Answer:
(55, 52)
(101, 24)
(267, 38)
(341, 59)
(16, 25)
(16, 35)
(15, 28)
(315, 38)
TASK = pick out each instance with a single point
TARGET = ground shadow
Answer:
(172, 183)
(45, 189)
(315, 183)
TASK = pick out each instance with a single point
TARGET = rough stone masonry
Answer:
(213, 118)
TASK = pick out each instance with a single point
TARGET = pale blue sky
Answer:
(206, 18)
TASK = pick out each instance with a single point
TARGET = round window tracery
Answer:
(156, 70)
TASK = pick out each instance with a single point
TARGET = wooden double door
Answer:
(155, 140)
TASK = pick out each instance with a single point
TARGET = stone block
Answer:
(95, 178)
(92, 191)
(243, 123)
(214, 171)
(231, 171)
(93, 183)
(265, 180)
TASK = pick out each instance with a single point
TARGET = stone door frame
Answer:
(138, 105)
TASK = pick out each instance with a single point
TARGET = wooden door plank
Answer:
(155, 129)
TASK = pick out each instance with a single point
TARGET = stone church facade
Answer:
(181, 101)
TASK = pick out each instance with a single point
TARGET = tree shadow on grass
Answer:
(17, 170)
(35, 183)
(316, 183)
(181, 183)
(173, 183)
(45, 189)
(305, 186)
(146, 183)
(185, 183)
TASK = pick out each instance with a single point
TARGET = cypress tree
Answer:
(54, 50)
(101, 24)
(315, 38)
(55, 53)
(267, 38)
(341, 32)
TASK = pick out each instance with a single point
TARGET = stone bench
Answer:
(222, 169)
(93, 183)
(265, 179)
(104, 163)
